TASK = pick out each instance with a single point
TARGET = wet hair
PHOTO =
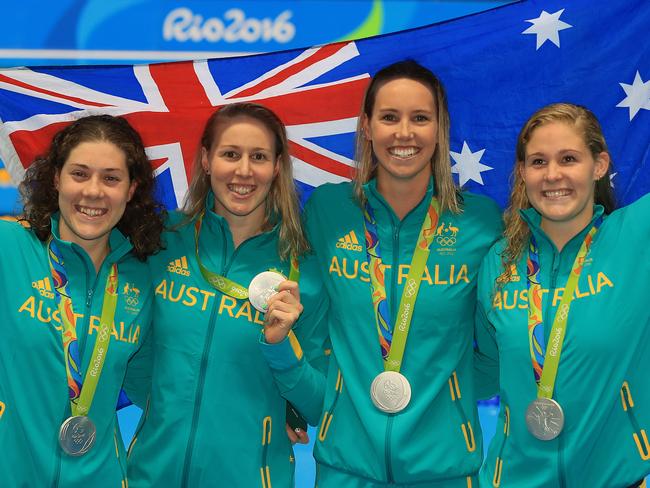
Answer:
(446, 190)
(586, 124)
(282, 200)
(142, 221)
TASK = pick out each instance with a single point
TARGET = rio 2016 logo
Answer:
(181, 24)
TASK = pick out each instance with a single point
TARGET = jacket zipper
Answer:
(87, 310)
(204, 364)
(548, 323)
(397, 227)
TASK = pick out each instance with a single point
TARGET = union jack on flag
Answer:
(498, 67)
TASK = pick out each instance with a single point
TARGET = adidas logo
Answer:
(349, 241)
(179, 266)
(44, 287)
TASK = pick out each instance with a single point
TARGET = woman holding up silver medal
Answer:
(77, 305)
(564, 299)
(228, 348)
(400, 413)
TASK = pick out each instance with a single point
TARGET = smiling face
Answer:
(94, 188)
(559, 172)
(242, 166)
(403, 129)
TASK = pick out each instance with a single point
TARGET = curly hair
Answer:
(282, 199)
(448, 193)
(142, 221)
(516, 231)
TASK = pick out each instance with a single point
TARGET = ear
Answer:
(365, 127)
(132, 188)
(602, 165)
(204, 161)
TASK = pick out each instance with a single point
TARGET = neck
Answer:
(402, 196)
(97, 251)
(562, 232)
(243, 228)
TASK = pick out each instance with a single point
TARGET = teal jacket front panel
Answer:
(216, 410)
(602, 381)
(33, 389)
(437, 437)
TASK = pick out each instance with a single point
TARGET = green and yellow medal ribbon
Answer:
(393, 339)
(547, 362)
(81, 393)
(223, 284)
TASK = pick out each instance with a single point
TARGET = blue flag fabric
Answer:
(498, 67)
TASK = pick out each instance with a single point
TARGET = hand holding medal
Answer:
(279, 299)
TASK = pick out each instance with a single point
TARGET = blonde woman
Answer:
(399, 251)
(563, 296)
(226, 358)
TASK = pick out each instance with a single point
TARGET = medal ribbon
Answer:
(546, 361)
(391, 340)
(81, 393)
(223, 284)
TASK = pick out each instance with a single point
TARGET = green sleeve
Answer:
(299, 363)
(486, 353)
(137, 381)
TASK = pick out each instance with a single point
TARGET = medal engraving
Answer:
(390, 392)
(262, 287)
(77, 435)
(544, 418)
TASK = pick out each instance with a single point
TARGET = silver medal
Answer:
(390, 392)
(262, 287)
(544, 418)
(77, 435)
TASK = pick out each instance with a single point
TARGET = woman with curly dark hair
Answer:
(77, 304)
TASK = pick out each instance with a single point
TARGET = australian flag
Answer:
(498, 67)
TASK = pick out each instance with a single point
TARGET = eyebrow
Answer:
(417, 112)
(85, 166)
(231, 146)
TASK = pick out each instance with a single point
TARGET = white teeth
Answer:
(556, 193)
(91, 212)
(403, 152)
(241, 189)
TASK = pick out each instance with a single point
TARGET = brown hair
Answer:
(142, 221)
(585, 122)
(446, 190)
(282, 201)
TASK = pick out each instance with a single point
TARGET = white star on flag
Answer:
(547, 27)
(468, 165)
(638, 95)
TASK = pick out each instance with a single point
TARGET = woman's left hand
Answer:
(297, 436)
(283, 311)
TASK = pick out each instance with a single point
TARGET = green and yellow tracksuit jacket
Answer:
(436, 440)
(602, 381)
(33, 389)
(215, 414)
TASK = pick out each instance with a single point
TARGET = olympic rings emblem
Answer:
(220, 282)
(410, 288)
(563, 313)
(131, 301)
(103, 333)
(446, 241)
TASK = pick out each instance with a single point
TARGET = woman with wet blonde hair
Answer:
(398, 250)
(231, 344)
(562, 315)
